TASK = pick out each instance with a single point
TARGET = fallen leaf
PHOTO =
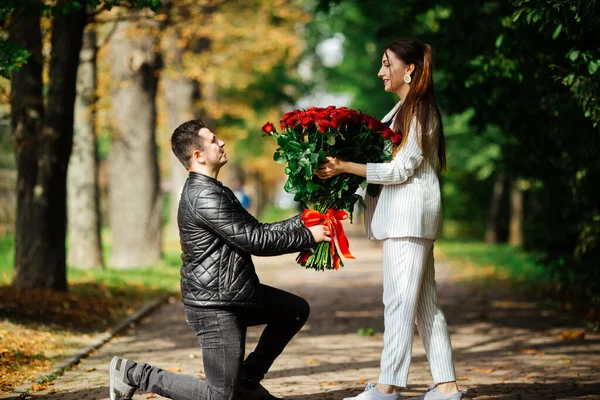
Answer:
(312, 361)
(52, 391)
(329, 383)
(572, 335)
(566, 361)
(150, 396)
(463, 378)
(362, 381)
(174, 369)
(37, 388)
(485, 371)
(527, 351)
(90, 369)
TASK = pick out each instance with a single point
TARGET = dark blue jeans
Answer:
(222, 335)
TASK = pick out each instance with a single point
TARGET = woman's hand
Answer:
(330, 168)
(320, 233)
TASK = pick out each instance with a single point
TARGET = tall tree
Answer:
(134, 192)
(43, 146)
(43, 136)
(85, 250)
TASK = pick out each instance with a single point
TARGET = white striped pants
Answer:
(409, 296)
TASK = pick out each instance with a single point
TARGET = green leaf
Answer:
(517, 14)
(330, 139)
(593, 66)
(311, 186)
(282, 140)
(12, 57)
(499, 40)
(280, 158)
(557, 31)
(573, 54)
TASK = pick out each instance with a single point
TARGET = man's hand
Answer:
(320, 233)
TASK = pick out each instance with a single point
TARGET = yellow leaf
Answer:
(572, 335)
(329, 383)
(527, 351)
(37, 388)
(150, 396)
(174, 369)
(312, 361)
(485, 371)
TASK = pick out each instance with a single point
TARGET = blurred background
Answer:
(92, 92)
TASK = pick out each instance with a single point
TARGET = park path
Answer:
(504, 347)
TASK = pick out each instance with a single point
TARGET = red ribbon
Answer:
(333, 219)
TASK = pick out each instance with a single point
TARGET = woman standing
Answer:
(407, 217)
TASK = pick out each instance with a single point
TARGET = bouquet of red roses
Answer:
(306, 138)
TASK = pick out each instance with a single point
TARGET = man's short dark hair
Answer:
(185, 140)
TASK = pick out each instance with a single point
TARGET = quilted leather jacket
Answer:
(218, 237)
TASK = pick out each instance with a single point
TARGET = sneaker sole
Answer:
(112, 369)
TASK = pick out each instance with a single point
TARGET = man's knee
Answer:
(302, 311)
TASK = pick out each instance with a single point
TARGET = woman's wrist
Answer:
(343, 166)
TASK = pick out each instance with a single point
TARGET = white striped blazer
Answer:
(409, 203)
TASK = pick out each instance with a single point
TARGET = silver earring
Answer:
(407, 78)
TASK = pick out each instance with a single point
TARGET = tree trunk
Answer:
(515, 232)
(43, 149)
(85, 250)
(181, 94)
(134, 194)
(491, 232)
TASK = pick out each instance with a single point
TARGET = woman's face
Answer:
(392, 72)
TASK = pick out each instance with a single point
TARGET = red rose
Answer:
(268, 128)
(372, 124)
(306, 122)
(334, 123)
(387, 133)
(396, 139)
(323, 124)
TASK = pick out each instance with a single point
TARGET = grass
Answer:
(273, 214)
(486, 265)
(495, 261)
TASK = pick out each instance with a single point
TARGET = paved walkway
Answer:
(505, 348)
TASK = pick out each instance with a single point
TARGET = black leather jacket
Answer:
(218, 236)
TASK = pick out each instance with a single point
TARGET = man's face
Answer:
(213, 153)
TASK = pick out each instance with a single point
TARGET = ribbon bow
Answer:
(333, 219)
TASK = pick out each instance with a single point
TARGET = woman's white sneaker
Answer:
(371, 393)
(434, 394)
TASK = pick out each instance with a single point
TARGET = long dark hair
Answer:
(420, 100)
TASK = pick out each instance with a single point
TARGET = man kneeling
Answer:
(220, 290)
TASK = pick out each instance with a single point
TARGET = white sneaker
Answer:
(433, 393)
(371, 393)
